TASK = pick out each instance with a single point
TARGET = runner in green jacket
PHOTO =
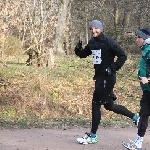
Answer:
(143, 41)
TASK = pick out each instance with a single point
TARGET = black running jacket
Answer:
(112, 55)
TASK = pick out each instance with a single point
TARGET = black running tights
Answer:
(96, 112)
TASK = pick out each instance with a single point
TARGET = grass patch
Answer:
(62, 92)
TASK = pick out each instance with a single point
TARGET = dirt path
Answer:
(60, 139)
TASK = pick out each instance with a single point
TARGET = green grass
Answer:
(34, 95)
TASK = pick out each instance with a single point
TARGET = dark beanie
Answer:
(143, 33)
(96, 24)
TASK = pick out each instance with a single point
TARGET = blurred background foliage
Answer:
(40, 76)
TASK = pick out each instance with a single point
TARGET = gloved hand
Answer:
(78, 46)
(108, 71)
(113, 96)
(113, 68)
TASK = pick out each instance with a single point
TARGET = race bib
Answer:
(96, 56)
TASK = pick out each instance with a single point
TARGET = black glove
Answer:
(113, 96)
(113, 68)
(108, 72)
(78, 46)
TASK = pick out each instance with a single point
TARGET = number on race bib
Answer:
(96, 56)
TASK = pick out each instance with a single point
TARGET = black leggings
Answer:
(96, 113)
(144, 113)
(103, 96)
(142, 125)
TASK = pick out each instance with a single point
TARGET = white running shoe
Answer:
(132, 145)
(87, 139)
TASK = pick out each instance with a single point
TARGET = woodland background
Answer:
(40, 75)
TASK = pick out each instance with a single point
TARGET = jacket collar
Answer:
(99, 37)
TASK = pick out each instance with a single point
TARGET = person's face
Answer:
(95, 31)
(139, 41)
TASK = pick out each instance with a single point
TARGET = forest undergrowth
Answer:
(37, 97)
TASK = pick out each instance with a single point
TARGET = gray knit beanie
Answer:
(143, 33)
(96, 24)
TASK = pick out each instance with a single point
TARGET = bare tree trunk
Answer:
(51, 58)
(4, 27)
(61, 24)
(68, 32)
(86, 25)
(127, 14)
(116, 17)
